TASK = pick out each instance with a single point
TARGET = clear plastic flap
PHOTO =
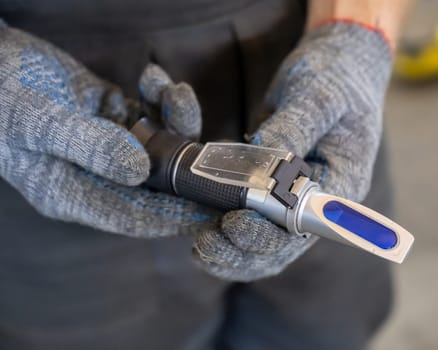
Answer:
(239, 164)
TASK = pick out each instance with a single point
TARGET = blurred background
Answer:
(412, 130)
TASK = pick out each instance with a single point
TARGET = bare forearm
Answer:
(386, 15)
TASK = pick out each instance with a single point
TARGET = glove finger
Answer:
(43, 114)
(212, 246)
(217, 255)
(64, 191)
(95, 144)
(113, 104)
(181, 112)
(250, 231)
(153, 81)
(344, 158)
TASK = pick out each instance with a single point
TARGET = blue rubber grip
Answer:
(359, 224)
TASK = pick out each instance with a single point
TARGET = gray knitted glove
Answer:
(324, 103)
(61, 149)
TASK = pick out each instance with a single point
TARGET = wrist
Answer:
(383, 16)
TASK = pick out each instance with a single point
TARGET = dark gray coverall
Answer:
(65, 286)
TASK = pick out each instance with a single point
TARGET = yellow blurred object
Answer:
(418, 63)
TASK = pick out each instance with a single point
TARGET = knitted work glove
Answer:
(62, 150)
(324, 103)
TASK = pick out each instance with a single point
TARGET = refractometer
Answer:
(274, 182)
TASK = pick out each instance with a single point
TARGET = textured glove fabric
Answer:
(179, 108)
(325, 104)
(61, 146)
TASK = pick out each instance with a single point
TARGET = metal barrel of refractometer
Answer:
(171, 157)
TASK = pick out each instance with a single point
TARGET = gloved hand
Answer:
(324, 103)
(61, 148)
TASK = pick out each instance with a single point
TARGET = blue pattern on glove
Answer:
(46, 75)
(133, 141)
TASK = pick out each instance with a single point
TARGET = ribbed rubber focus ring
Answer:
(202, 190)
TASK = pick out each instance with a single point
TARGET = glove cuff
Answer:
(364, 25)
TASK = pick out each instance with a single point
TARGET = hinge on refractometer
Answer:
(285, 175)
